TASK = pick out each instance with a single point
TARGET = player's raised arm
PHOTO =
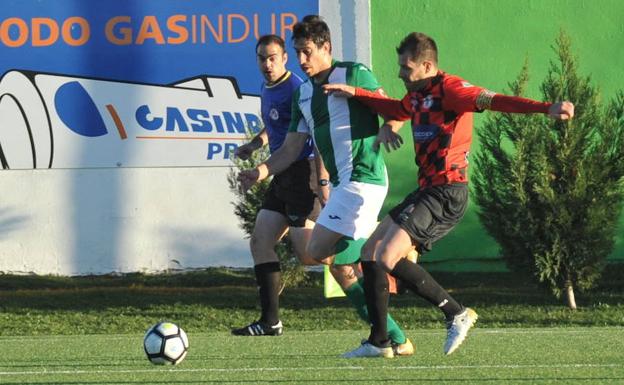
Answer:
(515, 104)
(377, 101)
(277, 162)
(462, 96)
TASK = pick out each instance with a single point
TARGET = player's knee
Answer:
(318, 253)
(258, 245)
(345, 275)
(307, 260)
(254, 243)
(384, 264)
(368, 251)
(385, 259)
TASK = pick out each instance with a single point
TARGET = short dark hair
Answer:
(271, 39)
(312, 27)
(419, 46)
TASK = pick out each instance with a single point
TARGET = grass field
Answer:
(489, 356)
(88, 330)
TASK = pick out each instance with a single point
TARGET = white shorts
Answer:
(353, 208)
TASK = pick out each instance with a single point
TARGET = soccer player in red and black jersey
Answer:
(440, 108)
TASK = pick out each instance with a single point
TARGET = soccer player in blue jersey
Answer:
(289, 205)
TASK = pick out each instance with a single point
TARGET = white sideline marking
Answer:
(233, 370)
(441, 330)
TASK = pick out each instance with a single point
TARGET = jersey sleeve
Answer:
(297, 121)
(380, 103)
(516, 104)
(461, 96)
(364, 78)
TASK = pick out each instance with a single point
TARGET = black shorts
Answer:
(290, 194)
(429, 214)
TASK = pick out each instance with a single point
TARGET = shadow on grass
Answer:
(221, 288)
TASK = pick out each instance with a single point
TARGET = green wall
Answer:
(486, 42)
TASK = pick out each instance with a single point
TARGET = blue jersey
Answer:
(276, 103)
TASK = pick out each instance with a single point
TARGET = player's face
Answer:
(271, 61)
(414, 73)
(313, 60)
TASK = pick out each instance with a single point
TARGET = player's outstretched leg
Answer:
(457, 329)
(459, 320)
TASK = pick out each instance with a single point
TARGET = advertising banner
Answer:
(156, 83)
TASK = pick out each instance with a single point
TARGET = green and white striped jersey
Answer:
(344, 130)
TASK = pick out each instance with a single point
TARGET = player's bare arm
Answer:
(323, 178)
(277, 162)
(244, 152)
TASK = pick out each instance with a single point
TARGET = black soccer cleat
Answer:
(258, 328)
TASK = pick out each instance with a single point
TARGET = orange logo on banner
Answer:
(40, 24)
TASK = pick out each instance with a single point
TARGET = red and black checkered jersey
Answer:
(441, 117)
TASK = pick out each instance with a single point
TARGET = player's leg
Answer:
(354, 290)
(375, 291)
(299, 238)
(322, 244)
(270, 226)
(346, 271)
(421, 219)
(375, 285)
(301, 208)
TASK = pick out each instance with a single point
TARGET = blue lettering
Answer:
(175, 117)
(218, 123)
(253, 122)
(229, 149)
(200, 117)
(234, 123)
(141, 116)
(214, 149)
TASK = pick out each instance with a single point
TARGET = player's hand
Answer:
(248, 178)
(340, 90)
(244, 152)
(561, 111)
(390, 139)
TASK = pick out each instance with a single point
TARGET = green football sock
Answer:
(355, 293)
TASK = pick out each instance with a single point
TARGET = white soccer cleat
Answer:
(457, 329)
(369, 350)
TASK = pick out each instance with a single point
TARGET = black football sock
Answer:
(423, 284)
(377, 295)
(268, 277)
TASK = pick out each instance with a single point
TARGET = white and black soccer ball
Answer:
(165, 344)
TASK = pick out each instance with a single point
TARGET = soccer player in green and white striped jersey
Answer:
(346, 134)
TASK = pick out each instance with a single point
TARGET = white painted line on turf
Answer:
(477, 330)
(241, 370)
